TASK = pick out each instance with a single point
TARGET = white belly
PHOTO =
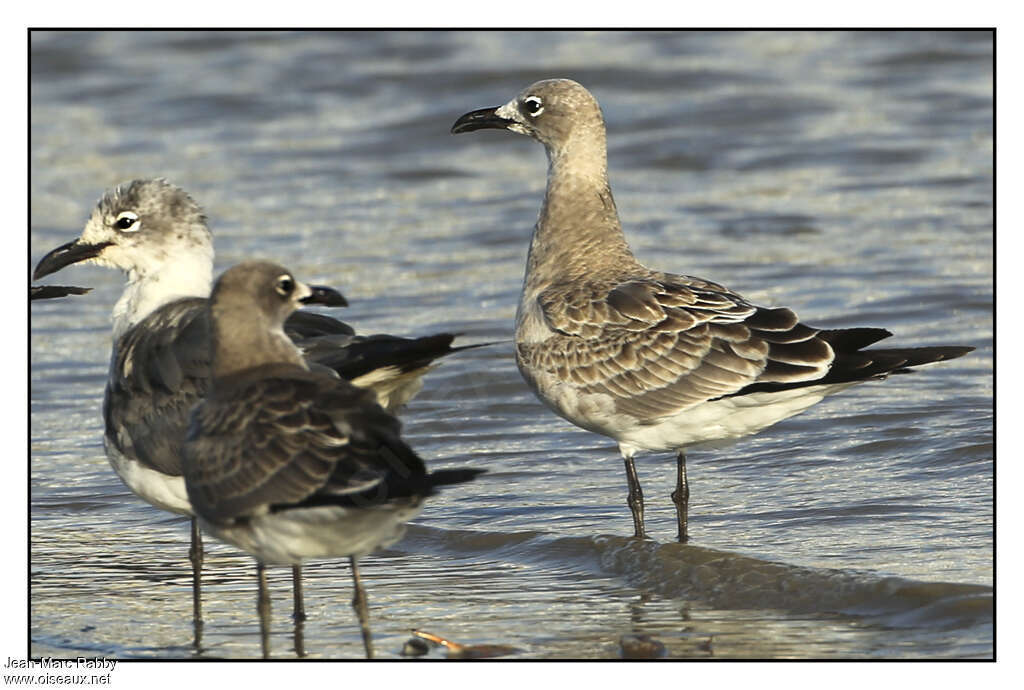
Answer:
(723, 420)
(720, 420)
(159, 489)
(293, 536)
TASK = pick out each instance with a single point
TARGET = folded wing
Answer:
(665, 343)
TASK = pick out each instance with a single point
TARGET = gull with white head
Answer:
(157, 235)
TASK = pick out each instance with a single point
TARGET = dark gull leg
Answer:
(263, 607)
(635, 499)
(299, 612)
(195, 554)
(362, 611)
(300, 639)
(681, 497)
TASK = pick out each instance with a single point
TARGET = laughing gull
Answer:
(287, 463)
(657, 361)
(156, 234)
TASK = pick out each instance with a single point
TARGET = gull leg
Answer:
(300, 639)
(299, 611)
(195, 554)
(636, 498)
(681, 497)
(362, 611)
(263, 608)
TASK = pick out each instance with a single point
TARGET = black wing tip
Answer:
(866, 365)
(443, 341)
(458, 476)
(310, 324)
(55, 291)
(446, 340)
(915, 356)
(460, 348)
(377, 352)
(940, 353)
(959, 350)
(852, 339)
(904, 361)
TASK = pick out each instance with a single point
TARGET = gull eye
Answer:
(285, 284)
(533, 106)
(127, 221)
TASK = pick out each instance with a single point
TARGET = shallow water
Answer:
(845, 175)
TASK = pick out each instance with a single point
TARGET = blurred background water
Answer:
(845, 175)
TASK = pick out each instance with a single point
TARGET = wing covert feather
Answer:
(282, 437)
(661, 344)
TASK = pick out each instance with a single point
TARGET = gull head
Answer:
(249, 305)
(139, 227)
(265, 293)
(555, 112)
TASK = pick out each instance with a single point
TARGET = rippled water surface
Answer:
(845, 175)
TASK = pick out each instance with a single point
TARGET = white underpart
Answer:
(156, 283)
(159, 489)
(299, 534)
(720, 421)
(377, 376)
(705, 424)
(392, 386)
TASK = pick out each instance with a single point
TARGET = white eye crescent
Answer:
(285, 284)
(127, 221)
(533, 106)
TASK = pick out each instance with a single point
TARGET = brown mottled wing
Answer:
(158, 371)
(161, 368)
(279, 437)
(665, 343)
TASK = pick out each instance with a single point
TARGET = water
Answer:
(846, 175)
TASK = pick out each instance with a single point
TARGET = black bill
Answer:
(67, 254)
(484, 118)
(329, 297)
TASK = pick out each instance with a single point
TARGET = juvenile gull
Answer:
(657, 361)
(287, 463)
(160, 366)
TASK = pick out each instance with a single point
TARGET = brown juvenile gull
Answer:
(657, 361)
(287, 463)
(160, 364)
